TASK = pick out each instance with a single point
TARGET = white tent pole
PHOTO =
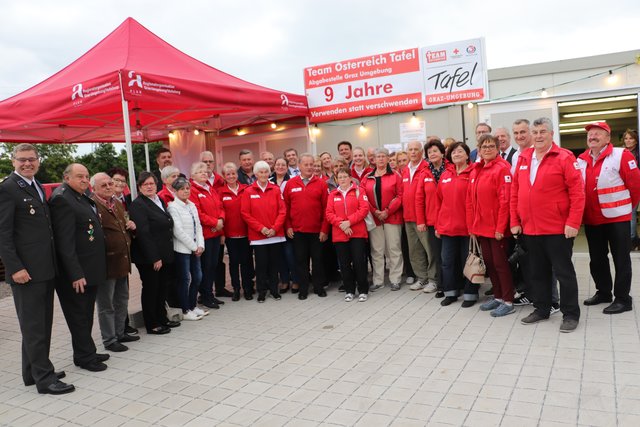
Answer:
(127, 137)
(146, 156)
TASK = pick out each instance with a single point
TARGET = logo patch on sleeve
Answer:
(632, 164)
(576, 165)
(507, 178)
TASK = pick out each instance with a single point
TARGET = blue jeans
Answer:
(287, 270)
(209, 263)
(189, 276)
(454, 254)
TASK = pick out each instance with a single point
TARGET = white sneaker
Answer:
(417, 285)
(363, 297)
(410, 280)
(430, 288)
(191, 315)
(348, 297)
(200, 312)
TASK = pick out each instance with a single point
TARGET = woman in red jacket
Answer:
(346, 208)
(488, 219)
(360, 168)
(263, 210)
(211, 216)
(235, 233)
(451, 226)
(383, 187)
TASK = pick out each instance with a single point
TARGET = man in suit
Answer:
(81, 253)
(28, 253)
(164, 158)
(481, 129)
(504, 144)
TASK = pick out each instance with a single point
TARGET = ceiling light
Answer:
(362, 127)
(315, 130)
(579, 123)
(574, 130)
(414, 118)
(273, 126)
(544, 93)
(598, 113)
(196, 132)
(597, 100)
(612, 78)
(241, 132)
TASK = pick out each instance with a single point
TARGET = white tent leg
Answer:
(127, 136)
(146, 156)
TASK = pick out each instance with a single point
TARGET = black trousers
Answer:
(550, 254)
(221, 272)
(408, 270)
(240, 259)
(78, 311)
(267, 258)
(307, 246)
(601, 238)
(34, 307)
(154, 289)
(352, 256)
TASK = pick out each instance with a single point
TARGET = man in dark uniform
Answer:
(81, 253)
(28, 252)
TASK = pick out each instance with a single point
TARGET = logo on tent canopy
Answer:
(77, 92)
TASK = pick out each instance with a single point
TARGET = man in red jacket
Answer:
(305, 197)
(612, 188)
(547, 202)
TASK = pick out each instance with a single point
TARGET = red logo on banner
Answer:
(436, 56)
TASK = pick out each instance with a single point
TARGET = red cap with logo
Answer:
(601, 125)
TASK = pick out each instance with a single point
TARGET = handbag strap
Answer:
(474, 246)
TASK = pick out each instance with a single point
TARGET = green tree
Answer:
(54, 159)
(103, 158)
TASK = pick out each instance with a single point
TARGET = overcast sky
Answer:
(270, 42)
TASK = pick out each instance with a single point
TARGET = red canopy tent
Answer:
(133, 79)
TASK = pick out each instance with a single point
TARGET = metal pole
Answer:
(128, 147)
(464, 131)
(146, 155)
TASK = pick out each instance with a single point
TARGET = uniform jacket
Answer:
(209, 209)
(361, 176)
(488, 195)
(612, 185)
(218, 181)
(154, 232)
(409, 189)
(26, 232)
(391, 188)
(262, 209)
(353, 208)
(425, 198)
(234, 225)
(187, 231)
(452, 202)
(556, 197)
(306, 205)
(117, 238)
(79, 238)
(166, 195)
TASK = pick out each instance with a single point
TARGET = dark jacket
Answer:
(26, 233)
(243, 178)
(78, 236)
(117, 239)
(154, 232)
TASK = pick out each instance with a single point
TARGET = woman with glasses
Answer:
(488, 221)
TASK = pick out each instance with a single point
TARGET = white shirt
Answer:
(535, 163)
(155, 199)
(412, 170)
(32, 181)
(294, 171)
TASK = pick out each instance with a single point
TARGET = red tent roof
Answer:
(165, 88)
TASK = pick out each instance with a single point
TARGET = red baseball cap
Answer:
(601, 125)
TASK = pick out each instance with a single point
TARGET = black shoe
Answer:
(248, 296)
(171, 324)
(128, 338)
(448, 300)
(58, 387)
(224, 293)
(532, 318)
(468, 303)
(102, 357)
(59, 375)
(211, 304)
(130, 331)
(160, 330)
(568, 325)
(117, 347)
(321, 293)
(341, 288)
(302, 296)
(295, 290)
(617, 307)
(276, 296)
(236, 295)
(262, 296)
(522, 300)
(284, 290)
(489, 292)
(597, 299)
(94, 366)
(439, 294)
(217, 301)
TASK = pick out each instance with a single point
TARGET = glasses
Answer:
(208, 161)
(121, 181)
(148, 184)
(488, 147)
(26, 159)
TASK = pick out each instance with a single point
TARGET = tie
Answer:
(503, 155)
(33, 185)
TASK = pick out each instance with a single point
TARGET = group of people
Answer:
(298, 222)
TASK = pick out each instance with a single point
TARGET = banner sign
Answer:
(454, 73)
(367, 86)
(404, 80)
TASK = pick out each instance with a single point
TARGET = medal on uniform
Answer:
(32, 211)
(90, 232)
